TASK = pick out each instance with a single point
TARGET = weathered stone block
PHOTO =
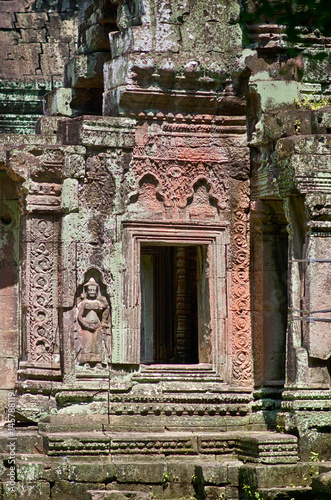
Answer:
(115, 73)
(268, 448)
(26, 56)
(233, 473)
(52, 61)
(119, 495)
(77, 444)
(7, 20)
(35, 490)
(278, 476)
(32, 407)
(65, 490)
(214, 492)
(85, 70)
(29, 442)
(8, 339)
(95, 471)
(94, 38)
(231, 493)
(29, 472)
(274, 94)
(8, 38)
(322, 483)
(47, 126)
(112, 132)
(58, 102)
(288, 122)
(121, 43)
(214, 473)
(321, 121)
(174, 444)
(34, 35)
(315, 69)
(307, 145)
(70, 195)
(8, 370)
(31, 20)
(182, 471)
(140, 472)
(142, 40)
(4, 403)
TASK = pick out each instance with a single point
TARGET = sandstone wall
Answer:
(37, 38)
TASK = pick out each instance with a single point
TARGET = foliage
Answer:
(165, 480)
(314, 457)
(251, 494)
(169, 478)
(313, 102)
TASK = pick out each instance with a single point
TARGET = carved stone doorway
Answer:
(192, 245)
(169, 304)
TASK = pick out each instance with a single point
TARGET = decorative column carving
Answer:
(240, 292)
(39, 173)
(40, 281)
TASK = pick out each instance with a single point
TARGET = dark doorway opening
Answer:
(169, 312)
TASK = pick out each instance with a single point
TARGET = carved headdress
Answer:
(93, 282)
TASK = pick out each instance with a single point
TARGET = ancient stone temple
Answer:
(165, 252)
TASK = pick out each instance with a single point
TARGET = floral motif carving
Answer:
(41, 270)
(241, 320)
(177, 179)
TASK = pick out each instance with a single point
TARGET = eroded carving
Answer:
(99, 187)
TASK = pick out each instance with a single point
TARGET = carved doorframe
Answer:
(126, 344)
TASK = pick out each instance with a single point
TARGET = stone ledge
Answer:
(118, 495)
(97, 131)
(254, 447)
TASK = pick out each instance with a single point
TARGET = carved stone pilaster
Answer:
(40, 313)
(241, 345)
(39, 173)
(46, 183)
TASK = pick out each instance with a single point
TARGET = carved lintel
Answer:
(177, 180)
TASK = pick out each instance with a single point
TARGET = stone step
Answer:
(288, 493)
(202, 372)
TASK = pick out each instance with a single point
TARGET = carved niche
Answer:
(93, 322)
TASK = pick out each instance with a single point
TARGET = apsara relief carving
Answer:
(93, 329)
